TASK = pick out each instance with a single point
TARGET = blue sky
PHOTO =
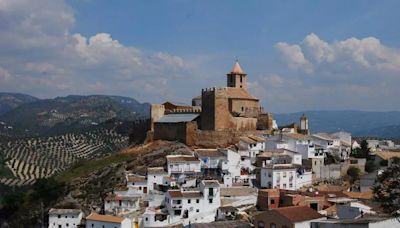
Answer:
(299, 55)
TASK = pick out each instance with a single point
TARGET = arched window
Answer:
(260, 224)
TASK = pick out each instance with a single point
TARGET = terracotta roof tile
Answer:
(298, 213)
(175, 193)
(209, 153)
(104, 218)
(156, 170)
(135, 178)
(236, 69)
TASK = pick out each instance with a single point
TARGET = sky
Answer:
(299, 55)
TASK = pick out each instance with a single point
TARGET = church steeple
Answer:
(237, 78)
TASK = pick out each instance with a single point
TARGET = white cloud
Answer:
(44, 59)
(348, 55)
(346, 74)
(294, 57)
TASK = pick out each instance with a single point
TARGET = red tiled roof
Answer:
(298, 213)
(175, 193)
(104, 218)
(134, 178)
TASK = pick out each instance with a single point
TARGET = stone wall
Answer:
(244, 108)
(223, 117)
(265, 121)
(243, 123)
(170, 131)
(156, 112)
(208, 109)
(218, 139)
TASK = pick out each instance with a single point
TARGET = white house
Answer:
(284, 176)
(252, 145)
(60, 218)
(183, 165)
(231, 164)
(136, 184)
(210, 158)
(303, 144)
(121, 204)
(186, 206)
(338, 144)
(155, 177)
(95, 220)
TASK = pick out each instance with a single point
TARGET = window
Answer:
(197, 201)
(147, 219)
(241, 78)
(189, 201)
(67, 224)
(284, 174)
(59, 216)
(284, 185)
(103, 226)
(140, 188)
(210, 200)
(210, 191)
(272, 225)
(197, 210)
(66, 216)
(92, 225)
(272, 201)
(154, 176)
(177, 212)
(260, 225)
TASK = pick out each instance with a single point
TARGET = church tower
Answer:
(304, 124)
(237, 78)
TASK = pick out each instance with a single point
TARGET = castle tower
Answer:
(304, 124)
(237, 78)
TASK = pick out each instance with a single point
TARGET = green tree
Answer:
(363, 151)
(353, 173)
(386, 189)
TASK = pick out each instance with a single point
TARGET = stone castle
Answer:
(221, 112)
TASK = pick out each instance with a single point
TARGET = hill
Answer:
(67, 114)
(359, 123)
(9, 101)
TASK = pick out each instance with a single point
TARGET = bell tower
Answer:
(237, 78)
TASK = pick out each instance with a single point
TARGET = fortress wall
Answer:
(217, 139)
(244, 123)
(170, 131)
(264, 121)
(223, 117)
(208, 109)
(156, 112)
(247, 108)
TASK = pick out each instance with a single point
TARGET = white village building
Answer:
(95, 220)
(60, 218)
(186, 165)
(186, 206)
(284, 176)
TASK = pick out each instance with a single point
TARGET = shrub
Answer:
(353, 173)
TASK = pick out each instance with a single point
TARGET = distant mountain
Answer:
(9, 101)
(65, 114)
(359, 123)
